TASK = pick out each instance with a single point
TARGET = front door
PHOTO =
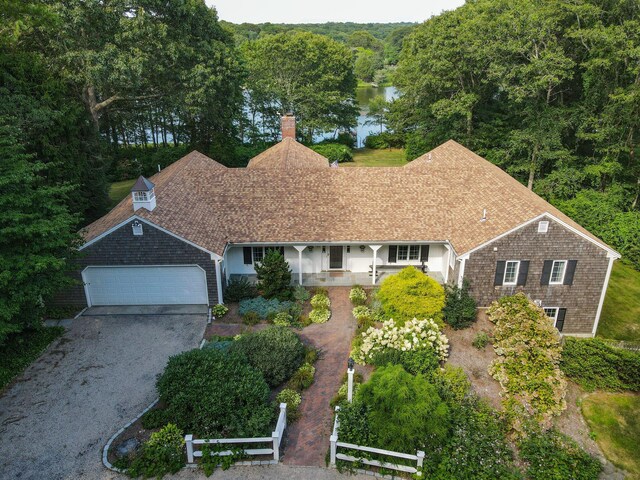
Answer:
(335, 257)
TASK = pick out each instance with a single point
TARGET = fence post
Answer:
(334, 439)
(188, 440)
(276, 446)
(283, 410)
(350, 372)
(420, 456)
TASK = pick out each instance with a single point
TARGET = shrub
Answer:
(292, 399)
(282, 319)
(334, 152)
(239, 289)
(250, 318)
(320, 302)
(302, 378)
(411, 294)
(452, 384)
(416, 362)
(214, 394)
(360, 312)
(295, 310)
(594, 364)
(554, 456)
(277, 352)
(528, 349)
(274, 276)
(300, 294)
(476, 448)
(219, 310)
(163, 453)
(311, 355)
(414, 335)
(460, 308)
(384, 140)
(481, 340)
(263, 307)
(358, 296)
(154, 418)
(320, 291)
(406, 412)
(320, 316)
(305, 321)
(341, 396)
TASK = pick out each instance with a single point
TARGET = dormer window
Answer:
(140, 196)
(143, 194)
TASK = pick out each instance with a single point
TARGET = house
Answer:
(189, 229)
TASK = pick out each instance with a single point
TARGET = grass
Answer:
(366, 157)
(613, 419)
(20, 349)
(119, 190)
(620, 318)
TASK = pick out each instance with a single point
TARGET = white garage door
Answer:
(166, 285)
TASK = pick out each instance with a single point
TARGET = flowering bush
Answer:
(320, 302)
(412, 336)
(282, 319)
(357, 295)
(361, 311)
(219, 310)
(527, 367)
(319, 316)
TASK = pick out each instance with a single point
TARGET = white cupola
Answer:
(143, 194)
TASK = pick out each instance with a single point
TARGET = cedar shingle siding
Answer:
(154, 247)
(581, 298)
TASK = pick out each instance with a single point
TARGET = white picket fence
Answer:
(335, 455)
(193, 450)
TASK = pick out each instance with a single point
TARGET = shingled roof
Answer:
(288, 154)
(437, 197)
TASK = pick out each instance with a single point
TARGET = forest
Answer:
(95, 91)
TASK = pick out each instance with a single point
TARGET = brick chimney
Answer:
(288, 126)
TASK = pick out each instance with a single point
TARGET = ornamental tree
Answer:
(274, 276)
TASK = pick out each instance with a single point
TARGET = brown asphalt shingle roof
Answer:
(288, 154)
(439, 196)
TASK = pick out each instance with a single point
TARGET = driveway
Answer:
(99, 375)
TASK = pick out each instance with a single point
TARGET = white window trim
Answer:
(555, 316)
(564, 272)
(264, 251)
(408, 261)
(543, 226)
(140, 197)
(504, 276)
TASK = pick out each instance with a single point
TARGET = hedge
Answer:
(334, 152)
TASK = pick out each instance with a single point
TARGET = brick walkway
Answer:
(308, 438)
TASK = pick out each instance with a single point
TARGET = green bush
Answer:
(277, 352)
(452, 384)
(251, 318)
(263, 307)
(154, 418)
(320, 316)
(163, 453)
(334, 152)
(459, 308)
(481, 340)
(361, 311)
(384, 140)
(238, 289)
(212, 394)
(554, 456)
(282, 319)
(406, 412)
(295, 311)
(358, 296)
(593, 364)
(320, 291)
(423, 361)
(219, 310)
(311, 355)
(302, 378)
(320, 302)
(274, 276)
(411, 294)
(300, 294)
(293, 400)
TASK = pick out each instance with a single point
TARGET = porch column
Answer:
(375, 249)
(300, 248)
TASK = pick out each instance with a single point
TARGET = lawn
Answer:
(119, 190)
(20, 349)
(366, 157)
(620, 318)
(613, 418)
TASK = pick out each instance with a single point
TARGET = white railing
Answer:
(335, 455)
(274, 440)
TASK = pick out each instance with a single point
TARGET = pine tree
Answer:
(274, 276)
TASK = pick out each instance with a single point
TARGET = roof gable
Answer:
(288, 154)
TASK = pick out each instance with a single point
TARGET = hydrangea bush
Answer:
(412, 336)
(361, 311)
(358, 296)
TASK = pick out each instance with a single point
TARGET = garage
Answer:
(145, 285)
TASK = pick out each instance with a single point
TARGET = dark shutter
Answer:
(546, 272)
(424, 253)
(523, 271)
(393, 253)
(562, 312)
(248, 259)
(281, 250)
(571, 270)
(499, 272)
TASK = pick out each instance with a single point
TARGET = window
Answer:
(511, 272)
(557, 272)
(137, 228)
(551, 312)
(558, 315)
(140, 196)
(258, 254)
(543, 227)
(408, 252)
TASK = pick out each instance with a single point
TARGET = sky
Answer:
(301, 11)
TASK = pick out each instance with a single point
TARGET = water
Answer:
(364, 95)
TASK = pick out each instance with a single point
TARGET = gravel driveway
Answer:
(99, 375)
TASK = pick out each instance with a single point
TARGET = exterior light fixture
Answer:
(350, 363)
(362, 248)
(310, 248)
